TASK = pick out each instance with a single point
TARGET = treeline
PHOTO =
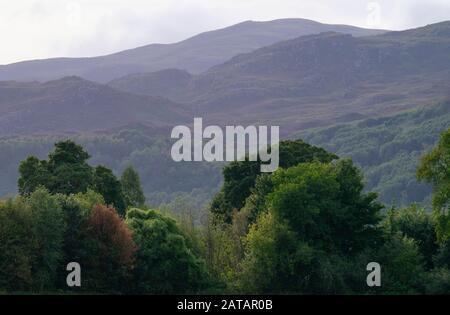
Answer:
(308, 228)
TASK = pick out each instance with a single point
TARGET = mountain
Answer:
(194, 55)
(317, 79)
(73, 104)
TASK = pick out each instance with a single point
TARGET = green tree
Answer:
(66, 171)
(164, 262)
(33, 173)
(240, 177)
(106, 183)
(31, 242)
(70, 172)
(435, 169)
(414, 222)
(301, 243)
(131, 188)
(325, 201)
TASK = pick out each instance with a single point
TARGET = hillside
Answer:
(388, 149)
(316, 80)
(195, 54)
(75, 105)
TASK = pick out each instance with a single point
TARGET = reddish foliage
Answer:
(106, 226)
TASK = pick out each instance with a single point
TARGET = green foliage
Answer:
(131, 188)
(435, 169)
(308, 228)
(402, 266)
(31, 242)
(415, 223)
(106, 183)
(164, 262)
(323, 201)
(300, 243)
(67, 172)
(34, 173)
(240, 177)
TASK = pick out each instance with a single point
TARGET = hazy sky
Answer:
(31, 29)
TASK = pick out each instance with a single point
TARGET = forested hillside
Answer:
(388, 149)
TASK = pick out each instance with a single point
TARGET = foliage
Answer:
(109, 253)
(31, 242)
(164, 262)
(105, 183)
(240, 177)
(435, 169)
(67, 172)
(131, 188)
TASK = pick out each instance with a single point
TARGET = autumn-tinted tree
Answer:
(109, 256)
(131, 188)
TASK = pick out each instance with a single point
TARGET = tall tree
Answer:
(106, 183)
(131, 188)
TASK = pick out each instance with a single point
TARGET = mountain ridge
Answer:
(316, 79)
(195, 54)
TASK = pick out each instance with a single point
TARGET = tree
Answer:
(325, 201)
(131, 188)
(109, 253)
(240, 177)
(33, 173)
(31, 242)
(106, 183)
(300, 242)
(66, 171)
(434, 168)
(70, 172)
(415, 223)
(164, 262)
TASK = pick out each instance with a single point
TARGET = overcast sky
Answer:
(31, 29)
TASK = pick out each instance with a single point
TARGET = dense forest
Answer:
(309, 228)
